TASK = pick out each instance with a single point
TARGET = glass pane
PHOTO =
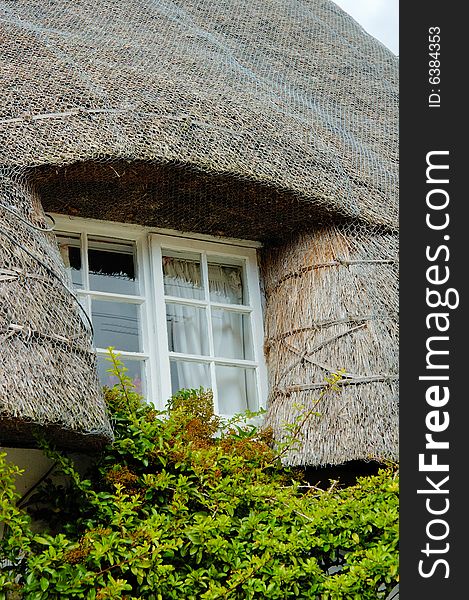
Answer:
(232, 334)
(136, 371)
(182, 275)
(189, 375)
(112, 268)
(226, 283)
(69, 248)
(116, 324)
(187, 329)
(237, 389)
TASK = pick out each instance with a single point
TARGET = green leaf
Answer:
(41, 540)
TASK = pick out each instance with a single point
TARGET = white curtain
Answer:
(187, 325)
(187, 329)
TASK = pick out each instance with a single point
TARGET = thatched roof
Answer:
(293, 96)
(250, 119)
(48, 380)
(332, 305)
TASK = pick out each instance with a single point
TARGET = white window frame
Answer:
(85, 230)
(148, 258)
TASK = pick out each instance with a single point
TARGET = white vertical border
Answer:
(84, 271)
(208, 317)
(147, 316)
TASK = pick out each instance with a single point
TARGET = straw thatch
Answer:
(332, 305)
(293, 96)
(47, 366)
(249, 119)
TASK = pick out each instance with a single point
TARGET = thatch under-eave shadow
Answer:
(176, 196)
(21, 433)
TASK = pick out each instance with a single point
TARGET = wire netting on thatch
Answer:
(247, 119)
(332, 305)
(48, 368)
(292, 95)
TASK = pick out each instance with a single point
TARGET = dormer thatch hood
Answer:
(280, 112)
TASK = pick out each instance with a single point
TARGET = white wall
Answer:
(34, 463)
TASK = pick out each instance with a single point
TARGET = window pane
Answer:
(187, 329)
(232, 334)
(189, 375)
(116, 324)
(69, 248)
(136, 371)
(237, 389)
(112, 268)
(226, 283)
(182, 275)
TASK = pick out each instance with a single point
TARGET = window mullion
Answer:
(237, 308)
(124, 354)
(219, 360)
(85, 270)
(211, 346)
(84, 261)
(185, 301)
(214, 386)
(112, 297)
(207, 301)
(160, 321)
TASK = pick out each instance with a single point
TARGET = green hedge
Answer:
(170, 511)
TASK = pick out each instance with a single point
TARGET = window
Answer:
(181, 312)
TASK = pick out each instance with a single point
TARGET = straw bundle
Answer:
(48, 381)
(332, 304)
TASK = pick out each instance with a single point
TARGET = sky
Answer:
(379, 17)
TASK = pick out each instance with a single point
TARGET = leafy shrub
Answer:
(173, 511)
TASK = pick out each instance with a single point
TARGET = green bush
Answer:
(173, 510)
